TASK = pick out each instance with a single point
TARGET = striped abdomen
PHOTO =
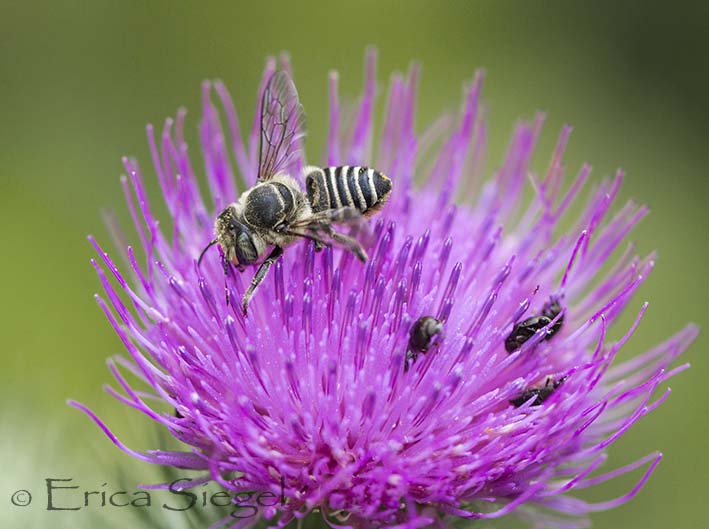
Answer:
(362, 188)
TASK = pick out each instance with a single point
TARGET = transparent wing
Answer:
(323, 219)
(319, 228)
(282, 125)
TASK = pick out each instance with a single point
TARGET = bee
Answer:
(540, 394)
(524, 330)
(276, 212)
(421, 338)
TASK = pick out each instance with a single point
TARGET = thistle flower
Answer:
(317, 393)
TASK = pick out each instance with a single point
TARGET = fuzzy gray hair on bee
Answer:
(276, 212)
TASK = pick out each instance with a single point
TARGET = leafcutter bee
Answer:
(275, 212)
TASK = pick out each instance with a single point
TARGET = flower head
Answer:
(336, 390)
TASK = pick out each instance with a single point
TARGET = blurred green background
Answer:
(79, 80)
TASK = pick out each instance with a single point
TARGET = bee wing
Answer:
(319, 228)
(323, 219)
(282, 125)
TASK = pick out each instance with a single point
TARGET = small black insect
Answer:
(541, 394)
(524, 330)
(421, 338)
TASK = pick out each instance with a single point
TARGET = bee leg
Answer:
(319, 243)
(259, 276)
(225, 265)
(352, 244)
(409, 360)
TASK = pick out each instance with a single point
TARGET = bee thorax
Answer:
(266, 206)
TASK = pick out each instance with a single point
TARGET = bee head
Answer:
(236, 239)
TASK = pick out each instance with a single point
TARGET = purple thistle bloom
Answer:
(309, 392)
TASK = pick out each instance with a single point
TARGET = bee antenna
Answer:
(211, 243)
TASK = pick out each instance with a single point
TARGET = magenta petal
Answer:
(308, 395)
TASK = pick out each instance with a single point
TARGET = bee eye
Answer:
(362, 170)
(245, 249)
